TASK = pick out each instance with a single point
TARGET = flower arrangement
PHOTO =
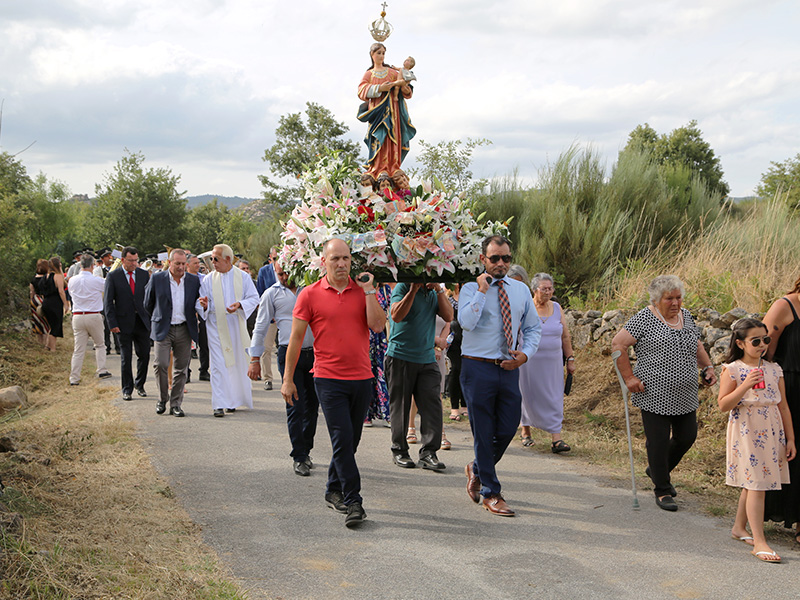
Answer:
(418, 234)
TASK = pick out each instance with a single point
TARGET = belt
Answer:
(286, 346)
(93, 312)
(177, 324)
(494, 361)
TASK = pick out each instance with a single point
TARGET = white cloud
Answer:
(199, 85)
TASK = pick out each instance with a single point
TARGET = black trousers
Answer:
(202, 342)
(422, 381)
(669, 437)
(301, 417)
(139, 340)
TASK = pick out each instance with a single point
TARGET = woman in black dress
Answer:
(54, 302)
(783, 325)
(38, 322)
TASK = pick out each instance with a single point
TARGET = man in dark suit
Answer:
(170, 298)
(123, 304)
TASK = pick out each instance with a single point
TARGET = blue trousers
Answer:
(301, 417)
(495, 404)
(344, 404)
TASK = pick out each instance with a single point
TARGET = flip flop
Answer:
(455, 417)
(745, 538)
(768, 557)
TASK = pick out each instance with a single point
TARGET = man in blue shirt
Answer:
(411, 369)
(493, 311)
(275, 308)
(266, 279)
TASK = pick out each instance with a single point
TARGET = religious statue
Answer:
(384, 92)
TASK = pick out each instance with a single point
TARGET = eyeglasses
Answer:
(496, 258)
(215, 259)
(756, 341)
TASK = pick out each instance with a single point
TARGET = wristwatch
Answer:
(370, 292)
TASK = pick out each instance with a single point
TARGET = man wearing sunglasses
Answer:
(228, 297)
(497, 315)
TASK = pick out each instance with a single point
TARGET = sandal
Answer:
(769, 557)
(455, 417)
(527, 440)
(446, 445)
(560, 446)
(411, 436)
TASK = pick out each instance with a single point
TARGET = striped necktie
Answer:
(505, 312)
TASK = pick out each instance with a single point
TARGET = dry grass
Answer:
(98, 520)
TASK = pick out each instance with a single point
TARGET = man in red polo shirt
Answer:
(340, 312)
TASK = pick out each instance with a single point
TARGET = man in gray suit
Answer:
(170, 297)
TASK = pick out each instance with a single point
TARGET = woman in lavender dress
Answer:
(541, 379)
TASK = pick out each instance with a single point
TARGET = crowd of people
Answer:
(364, 352)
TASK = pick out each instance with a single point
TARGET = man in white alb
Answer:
(227, 297)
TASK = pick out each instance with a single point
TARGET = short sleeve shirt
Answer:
(666, 362)
(338, 321)
(412, 339)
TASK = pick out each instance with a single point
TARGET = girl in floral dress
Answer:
(760, 437)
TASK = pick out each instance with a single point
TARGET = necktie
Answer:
(505, 312)
(133, 284)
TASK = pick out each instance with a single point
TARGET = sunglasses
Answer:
(496, 258)
(215, 259)
(756, 341)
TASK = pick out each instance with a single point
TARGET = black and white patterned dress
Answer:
(666, 362)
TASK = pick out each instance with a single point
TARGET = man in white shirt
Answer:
(170, 298)
(277, 303)
(87, 318)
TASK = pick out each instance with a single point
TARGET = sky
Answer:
(198, 86)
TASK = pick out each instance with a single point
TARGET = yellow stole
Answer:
(222, 314)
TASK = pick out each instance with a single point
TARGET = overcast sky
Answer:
(198, 85)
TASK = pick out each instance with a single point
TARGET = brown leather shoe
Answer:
(473, 484)
(496, 505)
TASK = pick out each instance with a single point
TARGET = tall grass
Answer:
(746, 261)
(581, 224)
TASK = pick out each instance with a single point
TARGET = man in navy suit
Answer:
(170, 298)
(123, 304)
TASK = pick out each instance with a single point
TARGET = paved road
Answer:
(574, 536)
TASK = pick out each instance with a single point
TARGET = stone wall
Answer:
(599, 328)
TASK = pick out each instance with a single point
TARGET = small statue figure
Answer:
(406, 72)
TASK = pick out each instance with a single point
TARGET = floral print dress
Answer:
(756, 442)
(379, 405)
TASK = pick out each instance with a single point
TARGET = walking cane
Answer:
(614, 356)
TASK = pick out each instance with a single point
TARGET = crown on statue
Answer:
(380, 29)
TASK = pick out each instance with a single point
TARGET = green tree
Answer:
(214, 223)
(782, 178)
(138, 207)
(298, 144)
(683, 146)
(13, 175)
(58, 225)
(448, 164)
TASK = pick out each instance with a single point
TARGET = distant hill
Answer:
(230, 201)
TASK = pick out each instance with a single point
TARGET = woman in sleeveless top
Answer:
(783, 325)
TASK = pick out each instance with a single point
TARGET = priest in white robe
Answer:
(227, 297)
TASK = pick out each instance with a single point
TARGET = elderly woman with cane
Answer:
(664, 382)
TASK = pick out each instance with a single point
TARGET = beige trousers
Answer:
(85, 327)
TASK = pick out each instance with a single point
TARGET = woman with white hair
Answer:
(664, 384)
(541, 379)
